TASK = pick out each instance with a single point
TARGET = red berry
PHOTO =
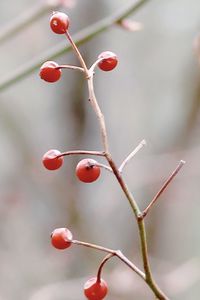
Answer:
(59, 22)
(61, 238)
(108, 62)
(51, 161)
(95, 290)
(49, 71)
(87, 170)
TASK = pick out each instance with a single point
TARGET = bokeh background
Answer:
(153, 94)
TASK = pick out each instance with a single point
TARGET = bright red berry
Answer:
(51, 161)
(61, 238)
(108, 62)
(49, 71)
(95, 290)
(59, 22)
(87, 170)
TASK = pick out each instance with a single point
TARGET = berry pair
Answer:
(51, 72)
(87, 169)
(95, 288)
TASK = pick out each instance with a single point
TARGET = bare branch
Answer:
(165, 185)
(131, 155)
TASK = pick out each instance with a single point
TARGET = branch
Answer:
(135, 208)
(70, 67)
(117, 253)
(131, 155)
(81, 152)
(108, 256)
(80, 38)
(165, 185)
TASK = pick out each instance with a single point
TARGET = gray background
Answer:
(153, 94)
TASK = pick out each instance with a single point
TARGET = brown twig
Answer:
(117, 253)
(81, 152)
(132, 154)
(165, 185)
(102, 265)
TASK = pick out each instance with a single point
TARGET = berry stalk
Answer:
(102, 265)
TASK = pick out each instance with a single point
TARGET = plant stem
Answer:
(140, 222)
(167, 182)
(77, 52)
(104, 167)
(102, 264)
(80, 38)
(70, 67)
(81, 152)
(117, 253)
(94, 246)
(98, 113)
(131, 155)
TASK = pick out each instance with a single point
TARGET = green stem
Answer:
(80, 38)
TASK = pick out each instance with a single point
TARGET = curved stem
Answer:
(93, 66)
(102, 264)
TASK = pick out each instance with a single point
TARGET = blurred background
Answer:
(154, 93)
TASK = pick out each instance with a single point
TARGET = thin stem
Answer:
(94, 246)
(85, 152)
(101, 266)
(71, 67)
(93, 66)
(98, 113)
(104, 167)
(127, 262)
(80, 38)
(165, 185)
(81, 152)
(131, 155)
(76, 50)
(117, 253)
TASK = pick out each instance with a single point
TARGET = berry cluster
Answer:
(87, 170)
(95, 288)
(50, 71)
